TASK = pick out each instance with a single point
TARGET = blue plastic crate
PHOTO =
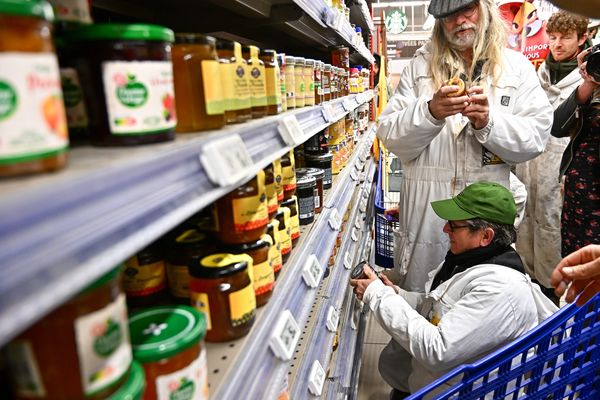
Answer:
(384, 236)
(559, 359)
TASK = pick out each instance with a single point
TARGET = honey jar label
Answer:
(103, 346)
(242, 305)
(274, 89)
(258, 86)
(295, 227)
(250, 212)
(200, 302)
(189, 383)
(73, 98)
(142, 280)
(140, 97)
(179, 280)
(72, 10)
(264, 277)
(213, 89)
(288, 178)
(32, 115)
(25, 372)
(275, 257)
(227, 90)
(272, 204)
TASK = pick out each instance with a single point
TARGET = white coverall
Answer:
(538, 241)
(441, 157)
(479, 310)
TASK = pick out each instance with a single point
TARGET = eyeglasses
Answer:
(453, 226)
(466, 12)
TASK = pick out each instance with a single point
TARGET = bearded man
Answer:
(447, 140)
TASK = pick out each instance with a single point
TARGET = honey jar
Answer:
(299, 81)
(292, 204)
(271, 190)
(273, 81)
(256, 78)
(275, 249)
(263, 274)
(222, 290)
(235, 72)
(290, 82)
(288, 173)
(145, 277)
(284, 233)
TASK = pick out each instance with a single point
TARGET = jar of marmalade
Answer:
(32, 114)
(79, 351)
(235, 72)
(292, 204)
(284, 235)
(288, 173)
(222, 290)
(272, 77)
(145, 277)
(167, 341)
(271, 190)
(242, 214)
(256, 77)
(263, 274)
(197, 79)
(127, 74)
(275, 250)
(133, 388)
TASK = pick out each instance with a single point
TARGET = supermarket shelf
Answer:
(360, 15)
(256, 371)
(319, 346)
(61, 231)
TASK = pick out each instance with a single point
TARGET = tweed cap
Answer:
(443, 8)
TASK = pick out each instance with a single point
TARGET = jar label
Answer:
(317, 199)
(241, 86)
(103, 346)
(200, 302)
(32, 114)
(73, 98)
(274, 89)
(288, 178)
(242, 305)
(264, 277)
(258, 86)
(72, 10)
(143, 280)
(272, 204)
(251, 212)
(227, 89)
(295, 228)
(140, 96)
(189, 383)
(179, 280)
(275, 257)
(213, 90)
(299, 85)
(290, 84)
(306, 206)
(25, 372)
(285, 238)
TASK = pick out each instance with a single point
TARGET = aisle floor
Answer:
(370, 384)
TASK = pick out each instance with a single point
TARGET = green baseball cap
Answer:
(486, 200)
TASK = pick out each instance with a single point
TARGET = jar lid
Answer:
(247, 48)
(299, 60)
(125, 32)
(190, 237)
(327, 67)
(161, 332)
(283, 214)
(309, 62)
(225, 45)
(319, 157)
(246, 247)
(220, 265)
(28, 8)
(318, 173)
(290, 59)
(268, 53)
(133, 387)
(305, 182)
(195, 38)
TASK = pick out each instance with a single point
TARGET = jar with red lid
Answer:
(275, 250)
(263, 274)
(221, 289)
(284, 235)
(292, 204)
(242, 214)
(288, 173)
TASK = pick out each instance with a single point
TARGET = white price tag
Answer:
(347, 104)
(339, 21)
(285, 336)
(357, 222)
(354, 235)
(362, 176)
(348, 261)
(333, 318)
(226, 160)
(328, 112)
(354, 175)
(360, 98)
(316, 379)
(290, 130)
(334, 220)
(363, 207)
(312, 272)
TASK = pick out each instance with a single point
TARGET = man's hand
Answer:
(442, 106)
(478, 110)
(392, 214)
(360, 285)
(582, 269)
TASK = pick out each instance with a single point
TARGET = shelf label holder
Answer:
(312, 272)
(285, 336)
(290, 130)
(226, 160)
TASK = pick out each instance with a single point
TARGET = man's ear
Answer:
(488, 236)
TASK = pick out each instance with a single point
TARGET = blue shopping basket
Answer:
(384, 236)
(558, 359)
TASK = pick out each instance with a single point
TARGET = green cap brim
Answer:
(450, 211)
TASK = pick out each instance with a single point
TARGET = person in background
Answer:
(578, 117)
(593, 31)
(580, 269)
(446, 142)
(399, 49)
(539, 232)
(477, 300)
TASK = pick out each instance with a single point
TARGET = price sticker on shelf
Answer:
(348, 261)
(358, 222)
(285, 336)
(226, 160)
(316, 379)
(354, 235)
(360, 98)
(312, 272)
(334, 220)
(328, 112)
(347, 104)
(363, 207)
(333, 318)
(290, 130)
(354, 175)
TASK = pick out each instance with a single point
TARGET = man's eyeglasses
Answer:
(466, 12)
(454, 226)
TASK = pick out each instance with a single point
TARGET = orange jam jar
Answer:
(271, 190)
(167, 341)
(33, 122)
(221, 288)
(262, 268)
(79, 351)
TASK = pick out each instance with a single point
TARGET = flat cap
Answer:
(443, 8)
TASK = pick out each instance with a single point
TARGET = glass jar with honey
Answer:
(273, 81)
(284, 235)
(262, 268)
(236, 73)
(275, 249)
(300, 82)
(288, 174)
(271, 190)
(290, 81)
(256, 78)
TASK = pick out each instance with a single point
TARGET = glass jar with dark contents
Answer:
(275, 250)
(263, 274)
(305, 191)
(319, 175)
(271, 190)
(284, 235)
(288, 173)
(324, 162)
(273, 81)
(145, 277)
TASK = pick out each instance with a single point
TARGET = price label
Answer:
(339, 21)
(334, 220)
(333, 318)
(354, 175)
(363, 207)
(328, 112)
(226, 160)
(285, 336)
(357, 222)
(312, 272)
(347, 104)
(360, 98)
(290, 130)
(316, 378)
(348, 261)
(354, 235)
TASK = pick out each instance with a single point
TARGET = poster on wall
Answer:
(526, 20)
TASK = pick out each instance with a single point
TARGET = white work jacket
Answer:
(441, 157)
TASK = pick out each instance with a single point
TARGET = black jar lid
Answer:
(305, 182)
(219, 265)
(320, 157)
(194, 38)
(289, 203)
(246, 247)
(318, 173)
(225, 45)
(268, 53)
